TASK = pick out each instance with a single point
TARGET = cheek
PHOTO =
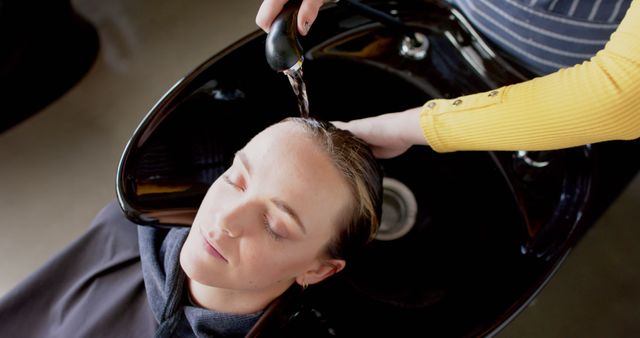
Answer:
(189, 258)
(195, 262)
(191, 246)
(214, 200)
(213, 195)
(278, 260)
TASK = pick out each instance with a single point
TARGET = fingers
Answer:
(357, 127)
(268, 12)
(386, 153)
(381, 153)
(340, 124)
(307, 15)
(380, 132)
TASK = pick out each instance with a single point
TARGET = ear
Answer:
(324, 269)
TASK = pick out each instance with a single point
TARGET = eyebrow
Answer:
(289, 211)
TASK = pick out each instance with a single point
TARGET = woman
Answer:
(298, 200)
(595, 101)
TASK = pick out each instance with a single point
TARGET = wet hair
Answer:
(355, 161)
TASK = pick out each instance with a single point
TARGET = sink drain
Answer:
(399, 208)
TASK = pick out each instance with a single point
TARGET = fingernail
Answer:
(306, 27)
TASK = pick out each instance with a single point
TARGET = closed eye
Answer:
(269, 229)
(230, 182)
(267, 225)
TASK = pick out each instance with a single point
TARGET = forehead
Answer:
(294, 150)
(279, 131)
(287, 162)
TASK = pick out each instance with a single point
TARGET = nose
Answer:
(235, 219)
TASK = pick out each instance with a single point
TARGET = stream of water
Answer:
(300, 89)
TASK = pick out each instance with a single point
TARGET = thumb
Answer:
(268, 11)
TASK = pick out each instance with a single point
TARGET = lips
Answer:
(210, 248)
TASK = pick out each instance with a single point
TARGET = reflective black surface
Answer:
(282, 48)
(491, 226)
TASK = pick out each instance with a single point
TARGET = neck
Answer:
(231, 301)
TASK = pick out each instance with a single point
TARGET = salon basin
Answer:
(468, 238)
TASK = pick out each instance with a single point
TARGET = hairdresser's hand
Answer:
(306, 15)
(389, 135)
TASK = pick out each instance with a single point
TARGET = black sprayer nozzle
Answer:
(283, 50)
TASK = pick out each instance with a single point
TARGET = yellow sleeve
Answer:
(598, 100)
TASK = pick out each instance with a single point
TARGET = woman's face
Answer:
(266, 221)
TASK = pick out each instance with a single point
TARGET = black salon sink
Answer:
(490, 227)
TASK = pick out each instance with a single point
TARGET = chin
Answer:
(196, 268)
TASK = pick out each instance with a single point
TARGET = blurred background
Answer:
(57, 167)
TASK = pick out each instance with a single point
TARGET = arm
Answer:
(598, 100)
(595, 101)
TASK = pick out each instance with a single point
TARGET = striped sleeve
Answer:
(546, 35)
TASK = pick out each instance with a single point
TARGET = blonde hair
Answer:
(354, 159)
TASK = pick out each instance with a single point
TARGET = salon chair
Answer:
(468, 238)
